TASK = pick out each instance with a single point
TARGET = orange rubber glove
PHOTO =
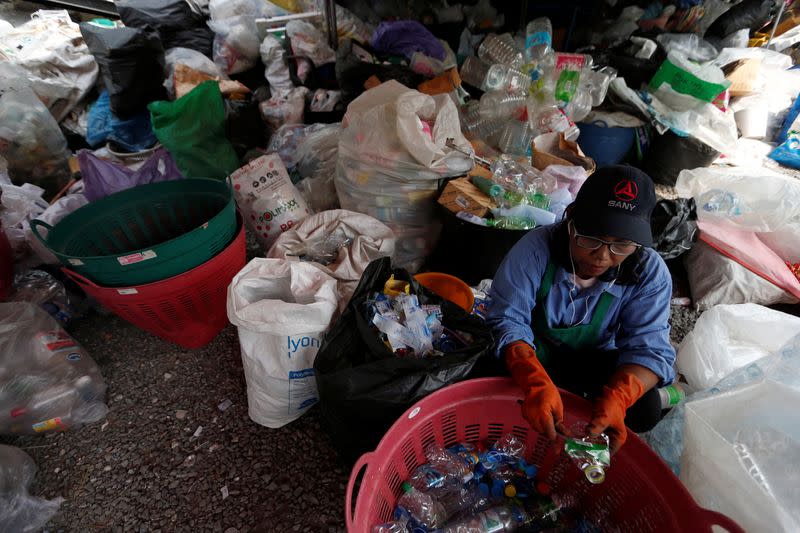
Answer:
(542, 407)
(608, 415)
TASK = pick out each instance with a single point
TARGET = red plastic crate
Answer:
(640, 492)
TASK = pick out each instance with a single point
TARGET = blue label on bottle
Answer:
(538, 39)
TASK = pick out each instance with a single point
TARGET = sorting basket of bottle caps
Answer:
(557, 488)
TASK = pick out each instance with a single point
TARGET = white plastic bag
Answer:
(741, 449)
(19, 511)
(48, 382)
(56, 60)
(281, 309)
(53, 215)
(277, 71)
(268, 201)
(236, 43)
(728, 337)
(690, 45)
(284, 108)
(308, 41)
(370, 240)
(18, 205)
(192, 59)
(716, 279)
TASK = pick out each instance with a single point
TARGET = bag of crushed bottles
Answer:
(48, 382)
(392, 154)
(363, 386)
(19, 510)
(30, 139)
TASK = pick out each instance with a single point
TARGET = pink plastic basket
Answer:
(640, 492)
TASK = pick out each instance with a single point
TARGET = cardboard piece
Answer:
(743, 76)
(186, 78)
(461, 195)
(552, 149)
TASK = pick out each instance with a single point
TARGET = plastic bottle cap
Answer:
(406, 486)
(595, 474)
(511, 491)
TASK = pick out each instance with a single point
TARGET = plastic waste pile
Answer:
(477, 488)
(19, 510)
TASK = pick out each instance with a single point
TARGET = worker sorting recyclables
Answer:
(584, 305)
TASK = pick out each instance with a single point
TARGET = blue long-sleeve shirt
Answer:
(637, 322)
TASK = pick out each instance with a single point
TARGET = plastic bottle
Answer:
(495, 520)
(500, 105)
(474, 72)
(671, 395)
(501, 49)
(487, 186)
(720, 202)
(538, 38)
(591, 455)
(550, 118)
(422, 507)
(579, 106)
(395, 526)
(516, 137)
(501, 77)
(475, 126)
(449, 463)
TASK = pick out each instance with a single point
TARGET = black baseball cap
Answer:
(616, 201)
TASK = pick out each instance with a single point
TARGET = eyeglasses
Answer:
(592, 243)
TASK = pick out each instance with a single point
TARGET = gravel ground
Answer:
(145, 470)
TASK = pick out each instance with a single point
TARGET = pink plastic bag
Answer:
(102, 178)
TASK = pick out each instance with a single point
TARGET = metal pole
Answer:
(330, 18)
(777, 21)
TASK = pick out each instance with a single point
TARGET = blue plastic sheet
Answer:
(134, 134)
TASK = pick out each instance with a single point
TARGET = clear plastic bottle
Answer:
(422, 507)
(516, 137)
(580, 105)
(538, 38)
(448, 463)
(550, 118)
(498, 519)
(591, 455)
(501, 49)
(475, 126)
(720, 202)
(500, 105)
(395, 526)
(474, 72)
(501, 77)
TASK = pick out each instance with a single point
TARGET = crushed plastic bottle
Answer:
(720, 202)
(591, 455)
(549, 118)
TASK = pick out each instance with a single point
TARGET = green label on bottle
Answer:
(567, 85)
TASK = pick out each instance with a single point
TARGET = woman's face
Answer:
(593, 263)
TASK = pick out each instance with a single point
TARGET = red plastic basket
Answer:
(640, 492)
(187, 309)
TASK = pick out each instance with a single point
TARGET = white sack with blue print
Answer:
(281, 309)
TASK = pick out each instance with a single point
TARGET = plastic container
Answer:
(753, 120)
(607, 146)
(476, 126)
(640, 493)
(499, 105)
(448, 287)
(538, 38)
(144, 234)
(516, 138)
(500, 49)
(189, 309)
(474, 72)
(505, 78)
(668, 154)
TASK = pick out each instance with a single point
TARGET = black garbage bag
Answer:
(668, 154)
(364, 387)
(752, 14)
(243, 125)
(175, 21)
(131, 62)
(356, 63)
(674, 227)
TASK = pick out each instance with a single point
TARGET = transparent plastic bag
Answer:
(41, 288)
(18, 205)
(48, 382)
(191, 58)
(308, 41)
(19, 511)
(316, 165)
(692, 46)
(236, 44)
(277, 71)
(728, 337)
(30, 139)
(287, 108)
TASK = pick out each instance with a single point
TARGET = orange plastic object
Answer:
(448, 287)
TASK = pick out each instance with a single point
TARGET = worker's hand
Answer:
(542, 407)
(608, 414)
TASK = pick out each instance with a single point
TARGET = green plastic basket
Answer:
(145, 234)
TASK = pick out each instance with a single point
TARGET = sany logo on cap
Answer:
(626, 191)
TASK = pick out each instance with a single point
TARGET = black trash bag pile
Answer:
(176, 22)
(364, 387)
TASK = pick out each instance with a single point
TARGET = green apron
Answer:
(578, 338)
